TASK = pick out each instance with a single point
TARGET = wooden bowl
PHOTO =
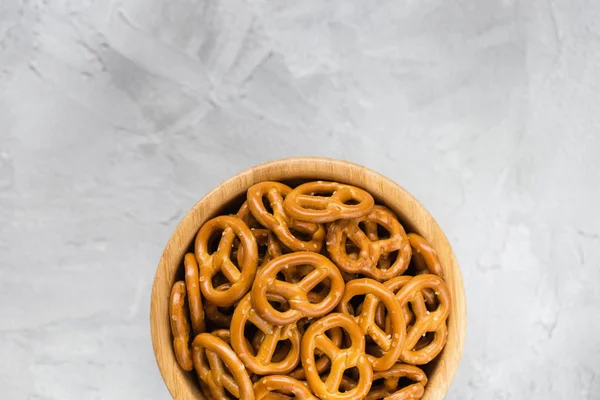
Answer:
(414, 217)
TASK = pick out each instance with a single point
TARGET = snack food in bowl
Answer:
(308, 277)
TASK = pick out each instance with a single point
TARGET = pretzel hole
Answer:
(319, 292)
(391, 259)
(356, 303)
(424, 341)
(352, 373)
(373, 350)
(351, 202)
(218, 280)
(282, 350)
(382, 232)
(280, 306)
(346, 342)
(301, 235)
(213, 240)
(267, 204)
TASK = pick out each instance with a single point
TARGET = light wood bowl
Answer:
(414, 217)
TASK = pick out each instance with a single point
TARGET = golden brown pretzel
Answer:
(220, 261)
(262, 362)
(426, 261)
(389, 390)
(279, 222)
(342, 359)
(296, 293)
(302, 204)
(391, 342)
(208, 347)
(424, 320)
(370, 251)
(192, 283)
(264, 388)
(180, 327)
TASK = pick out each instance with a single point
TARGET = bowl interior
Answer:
(230, 194)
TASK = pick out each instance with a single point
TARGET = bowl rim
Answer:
(320, 168)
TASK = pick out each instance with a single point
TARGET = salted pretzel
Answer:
(211, 355)
(322, 362)
(219, 261)
(265, 388)
(192, 284)
(390, 389)
(426, 261)
(304, 203)
(425, 321)
(262, 362)
(354, 356)
(278, 221)
(296, 294)
(180, 326)
(371, 251)
(389, 342)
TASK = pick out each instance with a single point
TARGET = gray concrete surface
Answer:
(117, 116)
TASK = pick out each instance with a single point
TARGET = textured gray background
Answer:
(117, 116)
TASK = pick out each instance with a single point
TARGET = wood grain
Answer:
(412, 214)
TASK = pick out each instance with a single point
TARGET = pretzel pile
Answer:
(313, 292)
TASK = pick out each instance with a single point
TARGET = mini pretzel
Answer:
(264, 388)
(342, 359)
(279, 222)
(192, 283)
(392, 376)
(262, 362)
(426, 261)
(370, 251)
(302, 204)
(391, 343)
(296, 293)
(220, 261)
(425, 320)
(217, 353)
(322, 363)
(180, 327)
(389, 389)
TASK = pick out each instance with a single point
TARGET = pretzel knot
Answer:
(208, 347)
(371, 248)
(411, 291)
(304, 204)
(264, 388)
(220, 261)
(342, 359)
(296, 294)
(279, 222)
(390, 342)
(180, 327)
(263, 363)
(390, 389)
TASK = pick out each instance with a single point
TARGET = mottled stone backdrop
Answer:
(117, 116)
